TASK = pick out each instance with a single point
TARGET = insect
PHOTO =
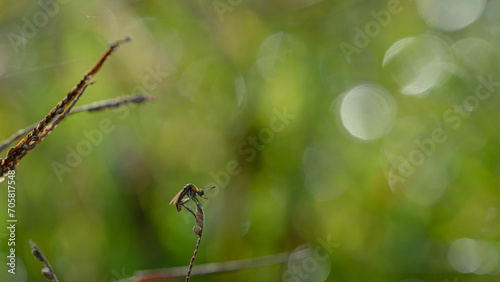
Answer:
(189, 190)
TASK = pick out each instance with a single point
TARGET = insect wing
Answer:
(177, 199)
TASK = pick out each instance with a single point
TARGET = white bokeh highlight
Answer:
(367, 111)
(467, 255)
(418, 64)
(450, 15)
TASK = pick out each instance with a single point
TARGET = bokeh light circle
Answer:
(367, 111)
(309, 261)
(463, 255)
(418, 64)
(473, 256)
(450, 15)
(474, 53)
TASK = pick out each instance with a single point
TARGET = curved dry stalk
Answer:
(198, 230)
(47, 271)
(52, 119)
(191, 263)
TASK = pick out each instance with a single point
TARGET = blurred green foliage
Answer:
(234, 69)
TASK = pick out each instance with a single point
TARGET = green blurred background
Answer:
(353, 127)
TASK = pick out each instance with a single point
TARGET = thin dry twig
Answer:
(47, 271)
(198, 230)
(172, 273)
(93, 107)
(191, 263)
(114, 103)
(55, 116)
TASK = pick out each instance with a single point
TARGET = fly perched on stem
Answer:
(191, 191)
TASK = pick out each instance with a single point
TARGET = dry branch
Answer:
(47, 271)
(55, 116)
(93, 107)
(172, 273)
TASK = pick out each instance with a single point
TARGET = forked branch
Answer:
(55, 116)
